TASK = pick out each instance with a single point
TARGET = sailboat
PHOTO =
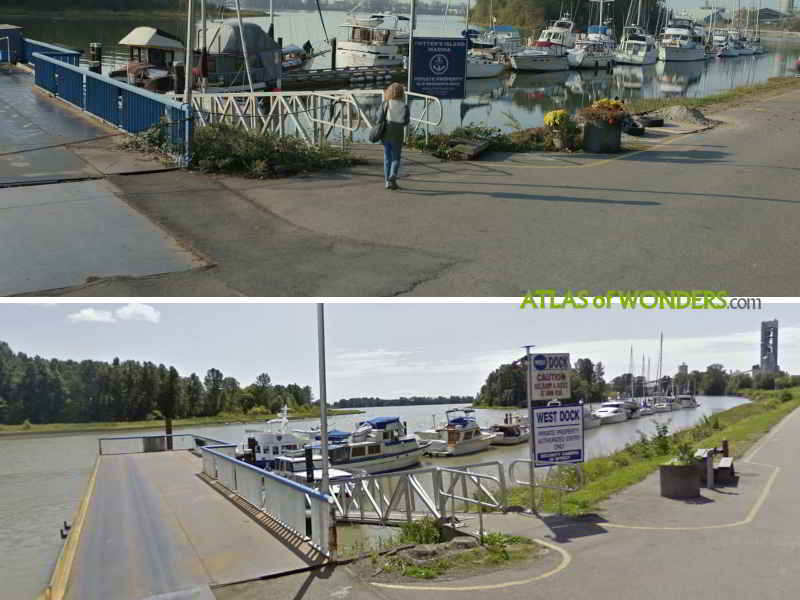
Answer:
(596, 50)
(637, 46)
(480, 66)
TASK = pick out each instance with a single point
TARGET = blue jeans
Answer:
(391, 159)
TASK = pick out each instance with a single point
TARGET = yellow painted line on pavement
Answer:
(60, 578)
(566, 558)
(750, 515)
(589, 164)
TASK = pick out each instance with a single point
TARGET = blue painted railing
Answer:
(130, 108)
(30, 47)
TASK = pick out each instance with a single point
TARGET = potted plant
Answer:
(563, 130)
(680, 478)
(602, 130)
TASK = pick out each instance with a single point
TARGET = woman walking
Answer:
(396, 114)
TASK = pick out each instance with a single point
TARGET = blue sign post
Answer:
(439, 67)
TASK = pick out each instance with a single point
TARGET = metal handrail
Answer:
(466, 499)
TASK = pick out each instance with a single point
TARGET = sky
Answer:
(388, 349)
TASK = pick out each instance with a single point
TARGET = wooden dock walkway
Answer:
(154, 528)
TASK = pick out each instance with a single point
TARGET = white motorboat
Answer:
(687, 401)
(645, 408)
(479, 67)
(379, 445)
(508, 434)
(590, 420)
(375, 41)
(266, 445)
(611, 412)
(663, 404)
(460, 435)
(637, 47)
(588, 54)
(549, 52)
(503, 37)
(682, 40)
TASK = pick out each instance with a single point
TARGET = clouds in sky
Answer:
(129, 312)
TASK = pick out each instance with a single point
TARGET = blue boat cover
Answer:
(381, 422)
(505, 28)
(598, 29)
(335, 435)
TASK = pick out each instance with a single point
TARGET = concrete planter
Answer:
(680, 481)
(602, 138)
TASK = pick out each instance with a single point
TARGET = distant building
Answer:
(683, 369)
(706, 15)
(770, 15)
(769, 346)
(786, 6)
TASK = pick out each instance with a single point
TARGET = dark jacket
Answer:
(394, 131)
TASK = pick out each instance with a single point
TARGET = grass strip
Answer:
(769, 87)
(742, 426)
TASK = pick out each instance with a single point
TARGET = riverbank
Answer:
(742, 426)
(35, 429)
(774, 86)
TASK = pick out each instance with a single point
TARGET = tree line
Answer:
(42, 390)
(402, 401)
(507, 385)
(531, 15)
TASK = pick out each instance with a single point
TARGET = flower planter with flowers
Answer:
(564, 132)
(602, 130)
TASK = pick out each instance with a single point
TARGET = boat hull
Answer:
(441, 447)
(643, 58)
(502, 440)
(681, 53)
(614, 419)
(539, 63)
(483, 70)
(383, 464)
(581, 60)
(354, 54)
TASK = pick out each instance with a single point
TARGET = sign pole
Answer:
(411, 43)
(323, 399)
(531, 454)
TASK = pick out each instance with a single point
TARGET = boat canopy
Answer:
(380, 422)
(292, 49)
(505, 29)
(223, 37)
(150, 37)
(336, 435)
(598, 29)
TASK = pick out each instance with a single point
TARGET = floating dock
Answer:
(153, 528)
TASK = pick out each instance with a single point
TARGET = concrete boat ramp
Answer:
(154, 529)
(61, 222)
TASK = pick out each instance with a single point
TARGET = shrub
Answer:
(563, 129)
(26, 425)
(684, 454)
(661, 439)
(786, 396)
(223, 148)
(422, 531)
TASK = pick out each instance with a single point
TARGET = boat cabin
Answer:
(154, 47)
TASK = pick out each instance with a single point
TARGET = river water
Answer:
(43, 478)
(500, 102)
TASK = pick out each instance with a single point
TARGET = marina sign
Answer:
(550, 377)
(439, 66)
(557, 435)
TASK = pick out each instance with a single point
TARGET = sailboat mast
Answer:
(187, 75)
(639, 14)
(244, 47)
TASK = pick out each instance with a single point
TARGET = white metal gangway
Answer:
(314, 117)
(445, 494)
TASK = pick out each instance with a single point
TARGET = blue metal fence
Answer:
(125, 106)
(30, 47)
